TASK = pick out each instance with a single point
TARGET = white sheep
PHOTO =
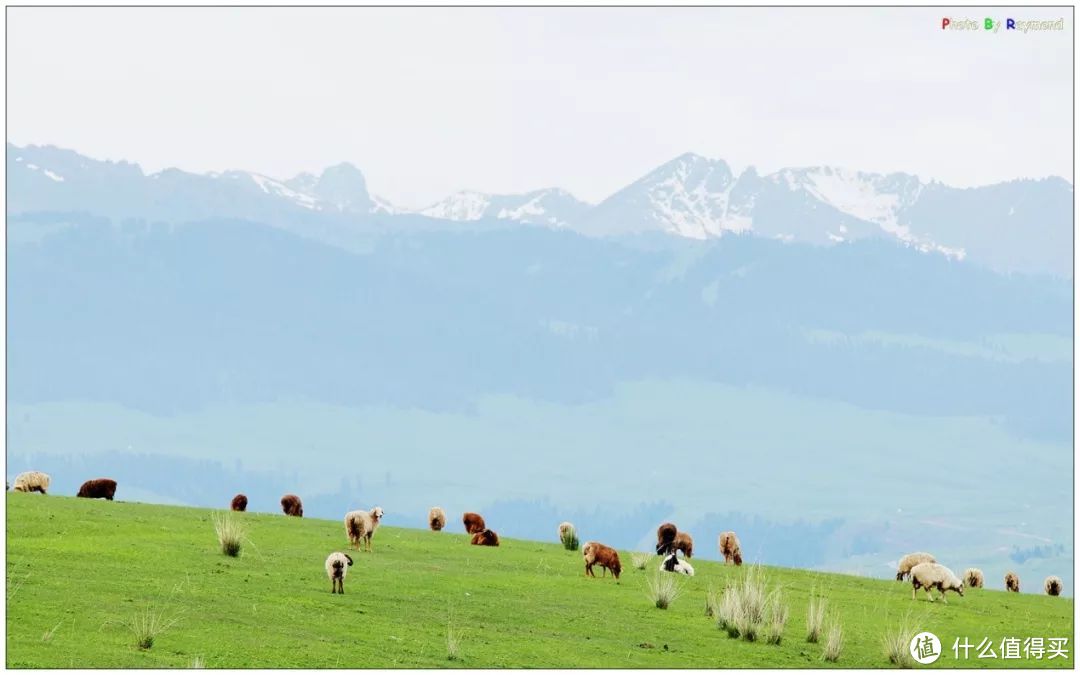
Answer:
(903, 568)
(337, 564)
(361, 525)
(32, 481)
(673, 563)
(932, 575)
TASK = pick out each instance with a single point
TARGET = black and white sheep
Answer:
(672, 563)
(337, 565)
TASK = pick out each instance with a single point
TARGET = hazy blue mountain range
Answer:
(839, 403)
(1022, 226)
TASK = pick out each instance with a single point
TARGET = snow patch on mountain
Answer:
(464, 205)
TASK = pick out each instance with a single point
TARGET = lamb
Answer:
(665, 537)
(1052, 585)
(1012, 582)
(973, 577)
(361, 526)
(239, 503)
(685, 543)
(485, 538)
(903, 568)
(932, 575)
(474, 522)
(292, 506)
(436, 518)
(32, 481)
(337, 565)
(729, 548)
(604, 556)
(673, 564)
(98, 488)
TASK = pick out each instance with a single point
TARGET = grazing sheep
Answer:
(1052, 585)
(604, 556)
(436, 518)
(32, 481)
(730, 548)
(1012, 582)
(485, 538)
(239, 503)
(973, 577)
(685, 543)
(564, 529)
(474, 522)
(292, 506)
(903, 568)
(932, 575)
(673, 564)
(98, 488)
(361, 526)
(337, 565)
(665, 537)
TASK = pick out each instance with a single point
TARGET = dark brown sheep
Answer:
(98, 488)
(665, 537)
(485, 538)
(474, 522)
(685, 543)
(604, 556)
(239, 503)
(292, 506)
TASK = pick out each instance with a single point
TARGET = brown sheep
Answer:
(98, 488)
(1012, 582)
(665, 537)
(1052, 585)
(292, 506)
(730, 548)
(436, 518)
(604, 556)
(485, 538)
(474, 522)
(239, 503)
(685, 543)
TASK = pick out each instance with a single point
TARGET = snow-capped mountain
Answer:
(552, 207)
(1022, 225)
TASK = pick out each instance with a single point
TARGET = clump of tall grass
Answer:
(148, 625)
(640, 560)
(776, 618)
(815, 618)
(230, 534)
(197, 663)
(748, 610)
(569, 539)
(663, 588)
(454, 638)
(896, 644)
(834, 642)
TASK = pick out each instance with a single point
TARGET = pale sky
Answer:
(429, 101)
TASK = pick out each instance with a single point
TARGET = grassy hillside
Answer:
(80, 572)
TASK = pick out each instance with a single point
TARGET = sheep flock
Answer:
(675, 546)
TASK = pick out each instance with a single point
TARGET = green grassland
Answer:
(80, 572)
